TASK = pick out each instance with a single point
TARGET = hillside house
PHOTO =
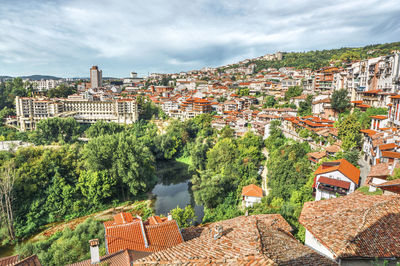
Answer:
(251, 194)
(336, 177)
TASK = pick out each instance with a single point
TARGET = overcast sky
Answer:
(66, 37)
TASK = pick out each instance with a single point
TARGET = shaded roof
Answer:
(14, 261)
(390, 154)
(380, 170)
(252, 191)
(120, 258)
(317, 155)
(9, 260)
(356, 225)
(388, 146)
(256, 240)
(153, 235)
(333, 148)
(343, 166)
(392, 186)
(334, 182)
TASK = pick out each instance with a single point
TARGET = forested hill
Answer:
(319, 58)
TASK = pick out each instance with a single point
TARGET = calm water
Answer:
(173, 189)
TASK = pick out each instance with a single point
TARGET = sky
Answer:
(66, 37)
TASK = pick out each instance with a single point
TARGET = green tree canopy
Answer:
(339, 101)
(349, 132)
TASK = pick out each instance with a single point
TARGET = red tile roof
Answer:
(334, 182)
(392, 186)
(120, 258)
(252, 191)
(379, 117)
(356, 225)
(141, 236)
(389, 146)
(9, 260)
(245, 240)
(390, 154)
(343, 166)
(370, 132)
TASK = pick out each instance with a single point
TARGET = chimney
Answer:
(218, 229)
(94, 251)
(169, 217)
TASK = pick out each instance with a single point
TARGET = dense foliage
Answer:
(320, 58)
(66, 247)
(339, 100)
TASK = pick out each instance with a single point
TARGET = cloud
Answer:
(66, 37)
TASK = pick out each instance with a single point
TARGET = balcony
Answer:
(340, 191)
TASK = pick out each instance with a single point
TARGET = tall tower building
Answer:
(96, 77)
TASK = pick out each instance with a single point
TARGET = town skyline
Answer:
(63, 38)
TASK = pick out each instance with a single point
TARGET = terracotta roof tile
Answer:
(389, 146)
(29, 261)
(246, 240)
(139, 236)
(334, 182)
(120, 258)
(343, 166)
(8, 260)
(252, 191)
(390, 154)
(356, 225)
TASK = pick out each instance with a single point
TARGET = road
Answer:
(364, 168)
(264, 174)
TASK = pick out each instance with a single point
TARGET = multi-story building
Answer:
(324, 78)
(96, 77)
(32, 110)
(45, 84)
(373, 81)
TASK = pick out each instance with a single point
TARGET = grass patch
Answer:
(185, 160)
(365, 191)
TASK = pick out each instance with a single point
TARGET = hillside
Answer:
(319, 58)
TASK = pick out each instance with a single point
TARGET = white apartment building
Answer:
(32, 110)
(370, 78)
(45, 84)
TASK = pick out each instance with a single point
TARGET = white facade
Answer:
(32, 110)
(249, 201)
(313, 243)
(45, 84)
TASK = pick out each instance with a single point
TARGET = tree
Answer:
(55, 129)
(184, 217)
(96, 186)
(270, 101)
(339, 100)
(126, 158)
(7, 181)
(305, 106)
(101, 128)
(293, 91)
(61, 91)
(349, 132)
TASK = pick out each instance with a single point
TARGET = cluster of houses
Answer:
(342, 226)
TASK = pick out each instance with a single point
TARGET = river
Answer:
(173, 189)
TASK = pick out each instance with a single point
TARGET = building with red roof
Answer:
(336, 177)
(127, 232)
(251, 194)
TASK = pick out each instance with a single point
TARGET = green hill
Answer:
(319, 58)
